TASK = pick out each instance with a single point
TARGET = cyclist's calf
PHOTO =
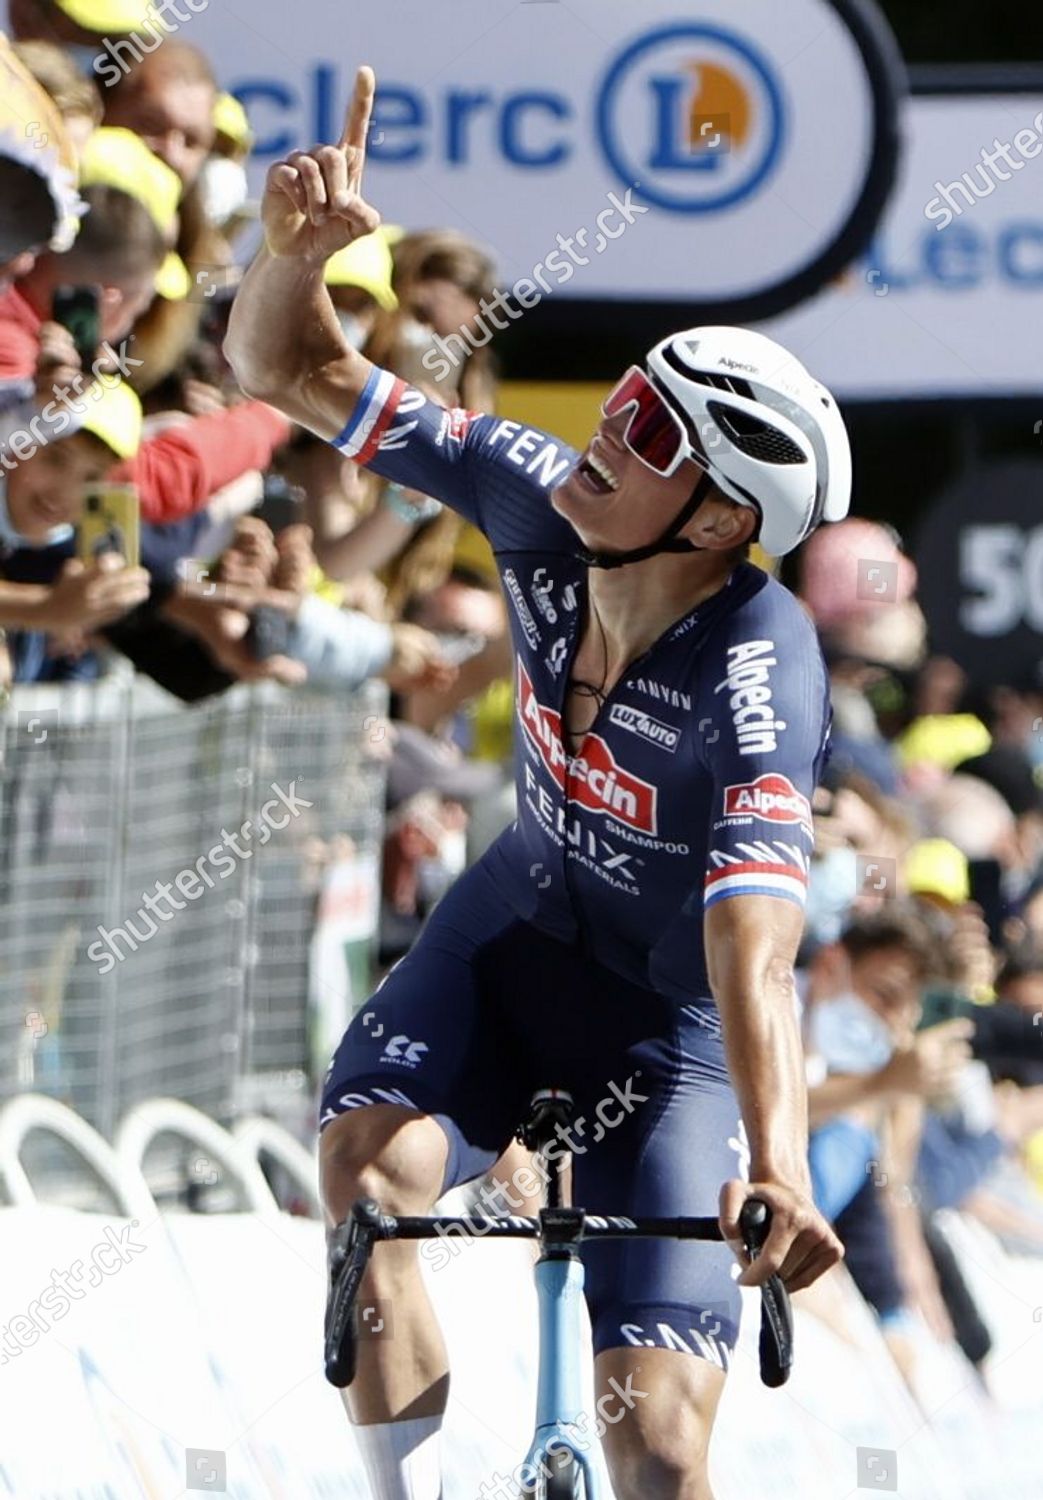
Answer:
(382, 1151)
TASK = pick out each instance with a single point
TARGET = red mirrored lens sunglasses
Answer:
(654, 432)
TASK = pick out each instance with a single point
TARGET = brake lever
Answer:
(776, 1332)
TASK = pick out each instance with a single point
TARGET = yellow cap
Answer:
(112, 412)
(230, 119)
(172, 279)
(934, 867)
(365, 263)
(115, 157)
(107, 15)
(943, 740)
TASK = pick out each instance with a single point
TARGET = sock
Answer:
(403, 1459)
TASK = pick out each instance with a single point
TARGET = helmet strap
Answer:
(668, 541)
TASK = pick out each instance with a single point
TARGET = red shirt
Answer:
(177, 471)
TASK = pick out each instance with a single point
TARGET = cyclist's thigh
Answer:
(432, 1037)
(678, 1141)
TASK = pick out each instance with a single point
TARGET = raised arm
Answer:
(284, 342)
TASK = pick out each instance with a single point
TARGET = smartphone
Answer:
(269, 634)
(110, 523)
(986, 881)
(76, 308)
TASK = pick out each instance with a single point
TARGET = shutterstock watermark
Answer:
(192, 881)
(610, 1408)
(529, 291)
(68, 403)
(116, 1250)
(1028, 144)
(110, 63)
(496, 1199)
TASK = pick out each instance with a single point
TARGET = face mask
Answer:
(13, 539)
(832, 887)
(352, 327)
(224, 188)
(849, 1035)
(436, 875)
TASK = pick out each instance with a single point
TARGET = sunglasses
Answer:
(654, 432)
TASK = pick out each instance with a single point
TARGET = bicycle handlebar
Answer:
(352, 1244)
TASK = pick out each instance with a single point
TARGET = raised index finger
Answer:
(356, 119)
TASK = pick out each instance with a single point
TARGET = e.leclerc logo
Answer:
(694, 115)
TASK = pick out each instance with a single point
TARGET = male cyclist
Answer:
(631, 937)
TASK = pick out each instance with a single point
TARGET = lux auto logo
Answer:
(693, 116)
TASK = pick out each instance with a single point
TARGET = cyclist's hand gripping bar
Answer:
(776, 1339)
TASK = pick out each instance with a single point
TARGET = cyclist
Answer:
(631, 937)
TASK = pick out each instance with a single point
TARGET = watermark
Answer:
(110, 65)
(1028, 144)
(876, 875)
(114, 1251)
(529, 291)
(37, 723)
(191, 881)
(68, 403)
(206, 1469)
(875, 278)
(496, 1200)
(876, 580)
(877, 1469)
(586, 1429)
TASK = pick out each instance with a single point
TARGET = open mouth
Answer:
(597, 475)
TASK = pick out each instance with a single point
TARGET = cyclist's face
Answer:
(615, 501)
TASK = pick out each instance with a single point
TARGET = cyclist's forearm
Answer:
(766, 1064)
(750, 944)
(286, 347)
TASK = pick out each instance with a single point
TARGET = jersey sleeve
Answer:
(765, 712)
(463, 458)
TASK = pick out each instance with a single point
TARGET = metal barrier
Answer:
(159, 872)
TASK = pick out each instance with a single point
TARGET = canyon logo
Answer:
(596, 780)
(772, 798)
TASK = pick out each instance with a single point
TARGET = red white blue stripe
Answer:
(754, 878)
(360, 437)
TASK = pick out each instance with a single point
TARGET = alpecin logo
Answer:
(596, 780)
(772, 798)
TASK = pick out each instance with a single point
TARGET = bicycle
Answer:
(554, 1455)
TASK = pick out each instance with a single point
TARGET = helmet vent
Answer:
(755, 438)
(713, 379)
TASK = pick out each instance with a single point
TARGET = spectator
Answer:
(77, 25)
(167, 98)
(75, 97)
(39, 207)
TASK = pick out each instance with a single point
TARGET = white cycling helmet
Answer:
(769, 435)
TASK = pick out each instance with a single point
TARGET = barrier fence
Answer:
(161, 869)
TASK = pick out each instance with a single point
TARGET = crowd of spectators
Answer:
(266, 555)
(262, 554)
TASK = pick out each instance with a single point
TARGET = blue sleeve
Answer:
(495, 473)
(765, 704)
(339, 647)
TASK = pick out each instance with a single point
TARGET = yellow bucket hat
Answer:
(365, 263)
(107, 15)
(112, 412)
(934, 867)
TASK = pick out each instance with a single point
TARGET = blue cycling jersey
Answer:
(693, 783)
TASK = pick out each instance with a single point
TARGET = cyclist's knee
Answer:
(382, 1151)
(659, 1414)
